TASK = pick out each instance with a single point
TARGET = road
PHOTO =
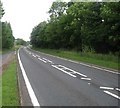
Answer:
(4, 59)
(59, 82)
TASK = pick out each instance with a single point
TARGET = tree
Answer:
(80, 25)
(1, 15)
(111, 17)
(57, 9)
(1, 10)
(7, 36)
(20, 41)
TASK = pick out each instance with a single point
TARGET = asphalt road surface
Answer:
(52, 81)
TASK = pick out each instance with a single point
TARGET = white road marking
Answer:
(117, 89)
(72, 71)
(42, 60)
(81, 74)
(63, 71)
(33, 55)
(114, 95)
(108, 88)
(92, 66)
(97, 68)
(28, 85)
(47, 60)
(37, 56)
(89, 83)
(85, 64)
(86, 78)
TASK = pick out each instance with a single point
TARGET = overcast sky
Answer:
(23, 15)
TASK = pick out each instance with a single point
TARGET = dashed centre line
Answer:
(33, 55)
(63, 71)
(86, 79)
(108, 88)
(42, 60)
(117, 89)
(68, 70)
(74, 73)
(47, 60)
(37, 56)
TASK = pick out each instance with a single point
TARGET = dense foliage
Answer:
(83, 26)
(20, 42)
(6, 35)
(1, 10)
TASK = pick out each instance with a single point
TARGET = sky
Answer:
(24, 15)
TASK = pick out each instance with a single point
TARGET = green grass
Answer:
(109, 61)
(16, 47)
(7, 50)
(9, 86)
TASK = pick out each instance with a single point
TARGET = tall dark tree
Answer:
(57, 9)
(1, 10)
(110, 13)
(7, 36)
(20, 42)
(80, 25)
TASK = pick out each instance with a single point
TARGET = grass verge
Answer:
(7, 50)
(9, 85)
(108, 61)
(16, 47)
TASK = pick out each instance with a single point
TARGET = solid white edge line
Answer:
(108, 88)
(28, 85)
(91, 66)
(114, 95)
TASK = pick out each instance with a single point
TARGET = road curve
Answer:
(58, 82)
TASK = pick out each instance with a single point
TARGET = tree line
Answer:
(6, 36)
(83, 26)
(20, 41)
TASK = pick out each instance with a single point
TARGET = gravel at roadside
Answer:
(5, 59)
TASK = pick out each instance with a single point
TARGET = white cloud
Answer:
(25, 14)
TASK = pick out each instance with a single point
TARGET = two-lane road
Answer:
(59, 82)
